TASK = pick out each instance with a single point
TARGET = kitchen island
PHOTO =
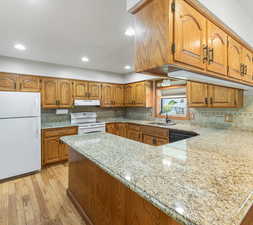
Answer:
(205, 180)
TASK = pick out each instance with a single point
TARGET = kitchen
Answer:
(152, 124)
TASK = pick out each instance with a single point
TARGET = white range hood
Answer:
(186, 75)
(87, 102)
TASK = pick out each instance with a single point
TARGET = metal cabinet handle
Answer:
(205, 53)
(211, 56)
(245, 70)
(242, 69)
(206, 101)
(211, 100)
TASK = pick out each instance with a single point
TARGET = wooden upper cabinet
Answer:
(197, 94)
(118, 92)
(94, 90)
(221, 97)
(129, 95)
(140, 94)
(107, 95)
(29, 83)
(49, 93)
(8, 82)
(213, 96)
(217, 49)
(151, 35)
(189, 36)
(87, 90)
(234, 59)
(247, 66)
(81, 90)
(65, 97)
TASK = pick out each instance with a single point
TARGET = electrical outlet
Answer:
(228, 118)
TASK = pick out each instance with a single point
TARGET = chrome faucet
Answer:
(167, 119)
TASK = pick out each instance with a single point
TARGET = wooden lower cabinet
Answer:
(53, 149)
(147, 134)
(103, 200)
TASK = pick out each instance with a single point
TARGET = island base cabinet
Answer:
(103, 200)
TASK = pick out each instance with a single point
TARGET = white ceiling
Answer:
(63, 31)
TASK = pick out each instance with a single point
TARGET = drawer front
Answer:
(60, 132)
(134, 135)
(162, 141)
(155, 131)
(134, 127)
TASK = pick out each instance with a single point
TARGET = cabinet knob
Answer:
(206, 101)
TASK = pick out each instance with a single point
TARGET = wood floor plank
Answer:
(38, 199)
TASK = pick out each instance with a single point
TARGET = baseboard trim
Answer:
(79, 208)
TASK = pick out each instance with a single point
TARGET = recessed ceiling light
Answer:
(130, 32)
(85, 59)
(20, 47)
(127, 67)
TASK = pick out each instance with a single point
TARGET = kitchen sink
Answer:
(162, 124)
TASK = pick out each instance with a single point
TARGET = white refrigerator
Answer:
(20, 141)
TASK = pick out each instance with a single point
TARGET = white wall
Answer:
(134, 77)
(13, 65)
(234, 14)
(20, 66)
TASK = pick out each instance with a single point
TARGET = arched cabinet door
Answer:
(217, 49)
(189, 35)
(234, 59)
(247, 61)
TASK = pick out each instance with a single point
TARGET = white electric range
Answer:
(87, 122)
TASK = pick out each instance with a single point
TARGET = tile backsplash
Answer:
(238, 118)
(49, 115)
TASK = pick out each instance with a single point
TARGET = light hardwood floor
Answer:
(38, 199)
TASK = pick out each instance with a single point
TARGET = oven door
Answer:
(88, 130)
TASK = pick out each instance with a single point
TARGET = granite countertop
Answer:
(50, 125)
(205, 180)
(180, 126)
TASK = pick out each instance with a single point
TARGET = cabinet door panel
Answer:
(65, 93)
(234, 59)
(190, 35)
(8, 82)
(29, 83)
(81, 90)
(64, 149)
(51, 150)
(94, 90)
(197, 94)
(217, 44)
(147, 139)
(119, 95)
(162, 141)
(139, 94)
(221, 97)
(107, 95)
(129, 92)
(247, 60)
(122, 129)
(49, 93)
